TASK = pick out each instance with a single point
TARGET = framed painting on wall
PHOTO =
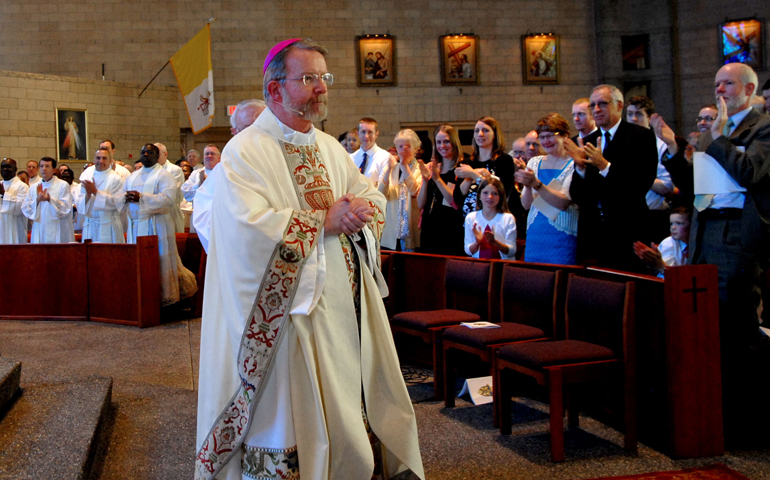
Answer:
(71, 134)
(742, 42)
(375, 60)
(635, 51)
(459, 59)
(540, 58)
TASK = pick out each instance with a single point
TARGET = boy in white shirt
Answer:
(672, 251)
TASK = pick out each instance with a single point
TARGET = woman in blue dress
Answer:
(552, 219)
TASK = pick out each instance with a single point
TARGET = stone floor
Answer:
(154, 398)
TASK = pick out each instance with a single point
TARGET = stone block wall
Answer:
(28, 103)
(134, 39)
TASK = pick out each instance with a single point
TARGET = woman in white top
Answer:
(490, 231)
(400, 182)
(552, 219)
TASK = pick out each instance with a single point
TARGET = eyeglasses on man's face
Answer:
(602, 104)
(704, 119)
(313, 79)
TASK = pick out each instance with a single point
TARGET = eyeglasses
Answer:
(704, 119)
(313, 78)
(601, 104)
(547, 136)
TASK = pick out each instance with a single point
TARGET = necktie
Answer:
(363, 164)
(607, 138)
(728, 128)
(685, 255)
(702, 201)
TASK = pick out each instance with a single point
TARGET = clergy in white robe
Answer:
(100, 201)
(178, 174)
(295, 340)
(13, 223)
(211, 157)
(150, 196)
(49, 205)
(32, 172)
(201, 215)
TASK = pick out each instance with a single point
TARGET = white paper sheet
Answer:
(480, 390)
(710, 177)
(546, 208)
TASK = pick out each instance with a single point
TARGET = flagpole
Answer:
(212, 19)
(156, 76)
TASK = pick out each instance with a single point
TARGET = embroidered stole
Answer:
(272, 306)
(144, 221)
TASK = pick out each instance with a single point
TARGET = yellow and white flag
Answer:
(192, 68)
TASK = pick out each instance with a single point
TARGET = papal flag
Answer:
(192, 67)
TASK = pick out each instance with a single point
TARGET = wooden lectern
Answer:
(693, 361)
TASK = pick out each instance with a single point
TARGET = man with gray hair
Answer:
(178, 174)
(613, 173)
(194, 159)
(245, 113)
(732, 231)
(299, 375)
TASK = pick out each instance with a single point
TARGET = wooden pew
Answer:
(679, 386)
(678, 373)
(136, 270)
(44, 282)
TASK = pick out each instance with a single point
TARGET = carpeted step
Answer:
(54, 430)
(10, 376)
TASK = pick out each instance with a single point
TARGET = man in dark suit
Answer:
(732, 230)
(613, 173)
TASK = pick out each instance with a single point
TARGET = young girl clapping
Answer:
(490, 231)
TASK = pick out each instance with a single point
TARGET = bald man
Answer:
(732, 231)
(178, 174)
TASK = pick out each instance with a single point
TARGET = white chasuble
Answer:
(13, 223)
(100, 213)
(152, 216)
(52, 219)
(282, 362)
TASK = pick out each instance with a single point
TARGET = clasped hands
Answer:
(348, 215)
(586, 154)
(133, 196)
(42, 193)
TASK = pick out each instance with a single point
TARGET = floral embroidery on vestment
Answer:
(270, 463)
(271, 308)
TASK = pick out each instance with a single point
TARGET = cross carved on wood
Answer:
(695, 291)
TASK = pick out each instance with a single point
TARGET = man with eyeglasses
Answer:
(613, 172)
(298, 368)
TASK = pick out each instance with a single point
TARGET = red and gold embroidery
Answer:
(310, 175)
(271, 307)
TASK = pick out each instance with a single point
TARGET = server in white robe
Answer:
(13, 223)
(150, 194)
(178, 174)
(49, 205)
(101, 200)
(211, 156)
(298, 370)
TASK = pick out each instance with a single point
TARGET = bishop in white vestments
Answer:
(100, 201)
(150, 195)
(13, 223)
(299, 376)
(49, 205)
